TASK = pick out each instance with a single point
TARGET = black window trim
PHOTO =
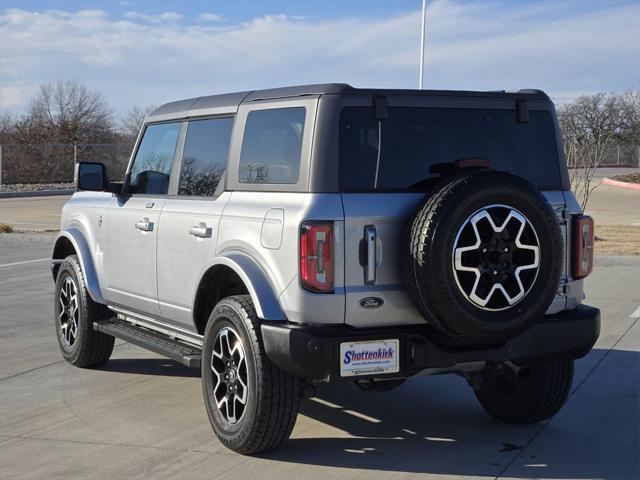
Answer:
(127, 175)
(173, 193)
(310, 103)
(300, 159)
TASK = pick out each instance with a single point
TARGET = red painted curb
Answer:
(617, 183)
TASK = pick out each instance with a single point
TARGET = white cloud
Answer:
(141, 59)
(15, 96)
(162, 17)
(210, 17)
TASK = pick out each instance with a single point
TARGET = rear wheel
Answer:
(528, 394)
(252, 405)
(75, 312)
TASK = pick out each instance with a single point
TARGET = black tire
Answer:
(87, 348)
(539, 395)
(268, 417)
(428, 261)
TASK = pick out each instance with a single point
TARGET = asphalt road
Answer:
(142, 416)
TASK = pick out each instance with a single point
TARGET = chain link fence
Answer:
(55, 163)
(617, 155)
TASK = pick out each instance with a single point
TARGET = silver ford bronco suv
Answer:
(281, 238)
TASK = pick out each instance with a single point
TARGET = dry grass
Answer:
(629, 178)
(4, 228)
(617, 240)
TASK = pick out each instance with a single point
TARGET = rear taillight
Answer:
(582, 245)
(316, 256)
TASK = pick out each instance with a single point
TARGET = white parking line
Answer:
(636, 313)
(22, 263)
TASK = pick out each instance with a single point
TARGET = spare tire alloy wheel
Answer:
(483, 257)
(230, 382)
(496, 257)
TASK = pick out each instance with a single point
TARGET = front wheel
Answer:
(252, 405)
(525, 394)
(75, 312)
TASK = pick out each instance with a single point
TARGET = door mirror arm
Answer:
(116, 188)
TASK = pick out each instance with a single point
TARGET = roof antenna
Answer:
(422, 40)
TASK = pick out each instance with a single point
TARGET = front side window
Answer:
(271, 146)
(151, 170)
(204, 159)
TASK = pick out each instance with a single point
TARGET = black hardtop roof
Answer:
(194, 106)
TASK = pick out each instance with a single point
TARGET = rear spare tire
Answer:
(483, 256)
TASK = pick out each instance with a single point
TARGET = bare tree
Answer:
(7, 127)
(630, 117)
(65, 121)
(133, 120)
(68, 112)
(590, 124)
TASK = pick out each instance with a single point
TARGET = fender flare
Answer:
(81, 246)
(257, 282)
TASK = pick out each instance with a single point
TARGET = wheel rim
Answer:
(496, 257)
(230, 377)
(69, 311)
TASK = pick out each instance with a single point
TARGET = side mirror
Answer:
(91, 176)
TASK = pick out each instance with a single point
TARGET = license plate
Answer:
(376, 357)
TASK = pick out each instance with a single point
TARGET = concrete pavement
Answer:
(32, 213)
(142, 416)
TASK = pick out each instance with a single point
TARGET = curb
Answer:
(618, 183)
(40, 193)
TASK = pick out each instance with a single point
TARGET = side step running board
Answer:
(188, 355)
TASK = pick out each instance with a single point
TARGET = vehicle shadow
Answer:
(150, 366)
(435, 425)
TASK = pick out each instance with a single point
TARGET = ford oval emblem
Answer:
(371, 302)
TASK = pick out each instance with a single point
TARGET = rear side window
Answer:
(204, 159)
(414, 139)
(271, 146)
(151, 169)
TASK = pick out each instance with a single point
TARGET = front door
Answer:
(131, 223)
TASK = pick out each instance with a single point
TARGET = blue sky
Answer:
(143, 52)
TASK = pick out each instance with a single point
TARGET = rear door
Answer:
(189, 222)
(388, 152)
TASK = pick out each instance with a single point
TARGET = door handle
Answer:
(145, 225)
(201, 230)
(371, 257)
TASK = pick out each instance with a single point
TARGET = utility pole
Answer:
(422, 40)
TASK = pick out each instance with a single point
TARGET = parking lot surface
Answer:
(142, 416)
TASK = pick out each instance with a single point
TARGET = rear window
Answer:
(416, 138)
(271, 146)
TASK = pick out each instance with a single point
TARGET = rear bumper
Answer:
(312, 352)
